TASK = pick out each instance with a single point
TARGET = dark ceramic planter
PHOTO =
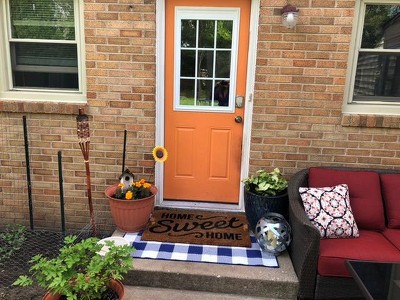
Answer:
(257, 206)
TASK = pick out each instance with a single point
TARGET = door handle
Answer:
(238, 119)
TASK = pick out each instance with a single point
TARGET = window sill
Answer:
(42, 102)
(370, 121)
(17, 106)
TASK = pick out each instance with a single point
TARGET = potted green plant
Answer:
(82, 270)
(265, 192)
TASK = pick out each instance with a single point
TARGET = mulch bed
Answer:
(37, 242)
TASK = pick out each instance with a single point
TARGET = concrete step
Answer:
(178, 279)
(144, 293)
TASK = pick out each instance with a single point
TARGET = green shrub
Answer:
(79, 271)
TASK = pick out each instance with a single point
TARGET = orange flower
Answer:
(128, 195)
(146, 185)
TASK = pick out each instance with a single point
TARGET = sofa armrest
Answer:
(304, 248)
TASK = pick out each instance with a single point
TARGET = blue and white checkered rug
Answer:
(253, 256)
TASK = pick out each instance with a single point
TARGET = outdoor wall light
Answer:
(290, 15)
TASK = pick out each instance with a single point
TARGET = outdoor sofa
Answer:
(320, 263)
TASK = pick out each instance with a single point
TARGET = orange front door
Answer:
(205, 80)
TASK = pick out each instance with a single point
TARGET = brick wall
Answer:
(297, 119)
(300, 81)
(120, 67)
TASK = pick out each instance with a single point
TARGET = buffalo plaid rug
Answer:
(253, 256)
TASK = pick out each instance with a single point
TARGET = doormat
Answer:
(198, 227)
(253, 256)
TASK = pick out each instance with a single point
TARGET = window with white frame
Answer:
(42, 45)
(374, 80)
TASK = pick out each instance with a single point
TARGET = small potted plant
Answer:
(84, 270)
(265, 192)
(132, 202)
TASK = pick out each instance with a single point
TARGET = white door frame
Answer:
(160, 76)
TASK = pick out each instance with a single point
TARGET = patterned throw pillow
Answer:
(328, 209)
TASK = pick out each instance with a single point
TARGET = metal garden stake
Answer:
(82, 122)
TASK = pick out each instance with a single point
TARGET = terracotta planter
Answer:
(49, 296)
(116, 285)
(131, 215)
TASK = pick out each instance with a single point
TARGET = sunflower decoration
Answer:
(160, 154)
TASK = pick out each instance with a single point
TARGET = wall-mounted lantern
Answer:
(290, 15)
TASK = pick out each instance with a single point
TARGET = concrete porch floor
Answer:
(162, 279)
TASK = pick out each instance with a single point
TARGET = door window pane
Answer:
(206, 33)
(204, 93)
(222, 64)
(187, 92)
(188, 38)
(221, 93)
(224, 34)
(206, 63)
(188, 63)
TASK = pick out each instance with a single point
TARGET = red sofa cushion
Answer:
(393, 235)
(370, 245)
(391, 196)
(364, 189)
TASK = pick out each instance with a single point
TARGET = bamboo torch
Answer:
(82, 122)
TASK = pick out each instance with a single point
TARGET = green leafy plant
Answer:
(11, 240)
(79, 271)
(266, 184)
